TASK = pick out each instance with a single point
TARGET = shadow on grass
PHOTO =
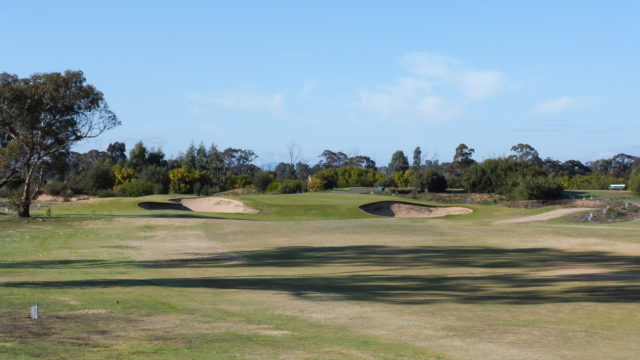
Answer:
(143, 216)
(525, 283)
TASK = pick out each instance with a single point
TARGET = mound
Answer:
(218, 205)
(407, 209)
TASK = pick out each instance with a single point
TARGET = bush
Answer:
(634, 185)
(517, 180)
(158, 176)
(329, 176)
(590, 182)
(261, 180)
(100, 176)
(123, 175)
(182, 179)
(287, 186)
(536, 188)
(386, 182)
(56, 188)
(402, 178)
(429, 180)
(316, 184)
(134, 188)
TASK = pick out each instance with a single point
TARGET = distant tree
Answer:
(238, 161)
(40, 117)
(417, 158)
(117, 151)
(622, 165)
(399, 162)
(429, 180)
(285, 171)
(138, 157)
(155, 157)
(303, 171)
(330, 159)
(463, 155)
(526, 152)
(201, 157)
(262, 180)
(363, 162)
(575, 167)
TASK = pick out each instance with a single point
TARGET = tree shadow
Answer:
(510, 276)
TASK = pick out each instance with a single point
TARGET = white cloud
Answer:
(437, 88)
(562, 104)
(308, 87)
(246, 101)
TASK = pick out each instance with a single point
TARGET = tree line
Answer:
(206, 170)
(43, 115)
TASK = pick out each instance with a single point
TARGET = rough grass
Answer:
(126, 285)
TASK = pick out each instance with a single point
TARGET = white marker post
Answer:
(34, 312)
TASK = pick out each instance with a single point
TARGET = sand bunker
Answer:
(218, 205)
(208, 204)
(412, 210)
(543, 217)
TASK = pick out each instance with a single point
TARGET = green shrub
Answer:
(329, 176)
(158, 176)
(429, 180)
(136, 187)
(56, 188)
(590, 182)
(535, 188)
(316, 184)
(261, 180)
(182, 179)
(287, 186)
(386, 182)
(517, 180)
(100, 176)
(634, 185)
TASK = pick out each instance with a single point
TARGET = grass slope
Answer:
(114, 281)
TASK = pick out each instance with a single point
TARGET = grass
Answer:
(114, 281)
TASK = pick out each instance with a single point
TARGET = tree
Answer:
(41, 116)
(417, 158)
(399, 162)
(526, 152)
(117, 151)
(463, 155)
(138, 157)
(330, 159)
(360, 161)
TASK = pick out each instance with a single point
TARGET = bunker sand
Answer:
(207, 204)
(411, 210)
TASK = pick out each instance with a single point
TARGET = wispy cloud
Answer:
(435, 88)
(309, 87)
(562, 105)
(242, 100)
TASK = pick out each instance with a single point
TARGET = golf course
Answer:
(315, 276)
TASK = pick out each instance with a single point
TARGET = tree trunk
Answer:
(24, 210)
(25, 204)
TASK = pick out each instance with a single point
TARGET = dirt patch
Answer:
(407, 209)
(543, 217)
(45, 198)
(218, 205)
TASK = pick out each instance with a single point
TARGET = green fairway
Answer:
(313, 277)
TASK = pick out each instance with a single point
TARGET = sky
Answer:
(362, 77)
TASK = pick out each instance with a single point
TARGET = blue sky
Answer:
(363, 77)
